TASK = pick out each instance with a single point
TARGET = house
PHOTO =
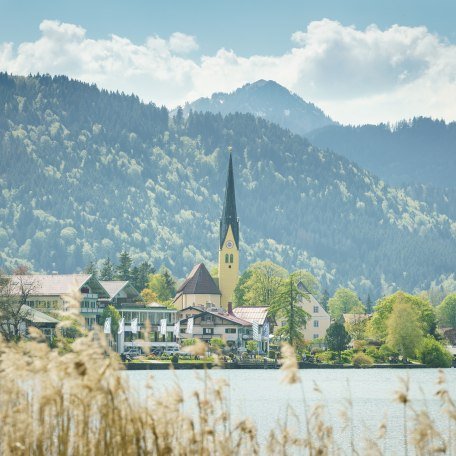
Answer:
(45, 323)
(50, 293)
(212, 322)
(258, 314)
(148, 317)
(319, 321)
(198, 289)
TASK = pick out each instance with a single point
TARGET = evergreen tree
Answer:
(287, 307)
(140, 275)
(107, 270)
(369, 306)
(337, 338)
(91, 268)
(325, 299)
(170, 283)
(124, 268)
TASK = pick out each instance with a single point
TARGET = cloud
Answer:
(356, 76)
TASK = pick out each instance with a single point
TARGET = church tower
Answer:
(228, 265)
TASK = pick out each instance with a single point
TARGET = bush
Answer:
(325, 357)
(387, 352)
(362, 359)
(434, 354)
(359, 344)
(376, 355)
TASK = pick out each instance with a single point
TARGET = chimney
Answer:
(230, 308)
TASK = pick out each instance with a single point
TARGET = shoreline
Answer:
(235, 366)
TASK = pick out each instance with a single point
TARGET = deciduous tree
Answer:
(344, 301)
(446, 311)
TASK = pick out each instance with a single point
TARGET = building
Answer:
(45, 323)
(215, 322)
(319, 321)
(50, 293)
(130, 304)
(228, 264)
(258, 314)
(199, 288)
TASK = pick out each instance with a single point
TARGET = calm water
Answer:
(260, 395)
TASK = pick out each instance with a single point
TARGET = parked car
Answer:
(171, 350)
(132, 352)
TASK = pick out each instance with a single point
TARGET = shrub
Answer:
(434, 354)
(376, 355)
(362, 359)
(359, 344)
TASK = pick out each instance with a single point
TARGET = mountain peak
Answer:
(267, 99)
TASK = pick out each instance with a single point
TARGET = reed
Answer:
(78, 402)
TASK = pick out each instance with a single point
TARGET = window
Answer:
(230, 330)
(316, 324)
(315, 336)
(226, 258)
(208, 330)
(316, 309)
(231, 258)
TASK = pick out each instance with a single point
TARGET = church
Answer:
(199, 288)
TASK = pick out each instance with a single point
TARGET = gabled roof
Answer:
(199, 281)
(229, 214)
(223, 315)
(252, 313)
(35, 316)
(302, 287)
(56, 284)
(114, 287)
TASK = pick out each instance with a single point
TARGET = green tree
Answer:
(111, 311)
(91, 268)
(262, 287)
(107, 270)
(344, 301)
(369, 304)
(324, 299)
(217, 343)
(446, 311)
(123, 269)
(404, 332)
(251, 345)
(140, 275)
(286, 307)
(434, 354)
(425, 313)
(309, 281)
(241, 289)
(337, 338)
(162, 285)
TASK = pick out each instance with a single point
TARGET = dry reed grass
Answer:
(80, 403)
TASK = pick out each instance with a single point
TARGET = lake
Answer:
(260, 395)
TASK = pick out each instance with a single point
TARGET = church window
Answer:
(226, 257)
(231, 258)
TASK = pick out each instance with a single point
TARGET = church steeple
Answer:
(229, 242)
(229, 214)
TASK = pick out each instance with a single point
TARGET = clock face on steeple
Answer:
(229, 244)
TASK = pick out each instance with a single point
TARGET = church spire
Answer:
(229, 214)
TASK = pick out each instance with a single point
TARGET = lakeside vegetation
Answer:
(80, 403)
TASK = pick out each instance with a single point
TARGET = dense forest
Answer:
(87, 173)
(419, 151)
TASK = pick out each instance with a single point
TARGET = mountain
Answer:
(419, 151)
(268, 100)
(85, 173)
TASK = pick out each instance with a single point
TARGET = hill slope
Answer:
(422, 151)
(86, 173)
(268, 100)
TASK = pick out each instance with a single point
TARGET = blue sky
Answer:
(356, 65)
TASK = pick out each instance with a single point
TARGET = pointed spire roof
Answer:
(229, 214)
(199, 281)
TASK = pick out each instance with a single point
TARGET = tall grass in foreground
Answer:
(79, 403)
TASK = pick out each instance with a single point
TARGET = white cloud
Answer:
(356, 76)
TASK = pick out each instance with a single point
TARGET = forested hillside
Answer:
(85, 173)
(421, 151)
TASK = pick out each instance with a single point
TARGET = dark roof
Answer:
(199, 281)
(229, 214)
(302, 287)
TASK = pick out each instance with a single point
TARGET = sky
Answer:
(361, 61)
